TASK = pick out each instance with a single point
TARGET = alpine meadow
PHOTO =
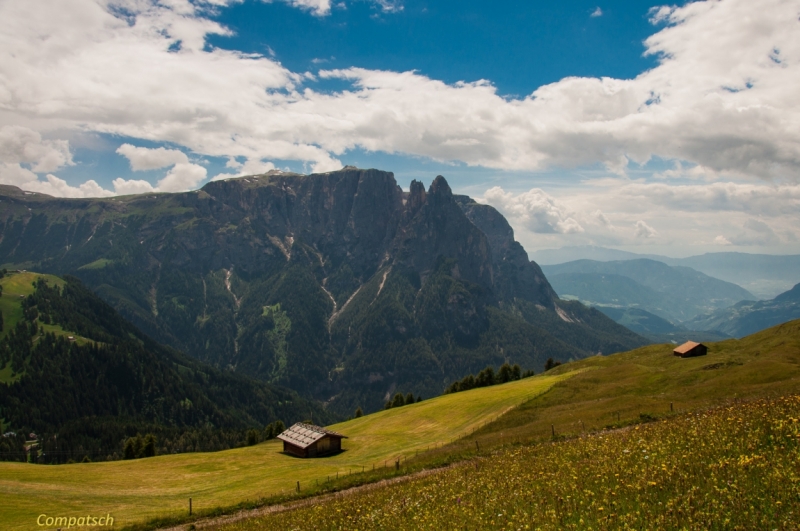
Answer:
(399, 265)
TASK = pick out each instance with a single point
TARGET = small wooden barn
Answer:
(307, 440)
(690, 349)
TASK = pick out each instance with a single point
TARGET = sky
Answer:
(636, 125)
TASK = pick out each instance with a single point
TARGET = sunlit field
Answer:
(733, 467)
(159, 487)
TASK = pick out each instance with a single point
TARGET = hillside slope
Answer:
(673, 293)
(749, 317)
(80, 377)
(137, 491)
(338, 285)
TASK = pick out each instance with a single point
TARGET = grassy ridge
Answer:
(136, 491)
(633, 386)
(733, 467)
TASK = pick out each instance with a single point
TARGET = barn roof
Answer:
(304, 435)
(686, 347)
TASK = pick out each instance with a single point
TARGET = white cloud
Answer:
(722, 97)
(317, 7)
(250, 167)
(20, 145)
(721, 102)
(182, 177)
(597, 13)
(755, 232)
(132, 186)
(151, 159)
(687, 218)
(643, 230)
(535, 210)
(16, 175)
(389, 6)
(322, 8)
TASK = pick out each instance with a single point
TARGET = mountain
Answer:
(656, 329)
(749, 317)
(338, 285)
(673, 293)
(762, 274)
(71, 366)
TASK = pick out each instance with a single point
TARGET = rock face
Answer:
(339, 285)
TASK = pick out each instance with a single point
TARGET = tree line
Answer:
(487, 377)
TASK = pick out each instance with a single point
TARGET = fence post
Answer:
(553, 429)
(670, 407)
(190, 507)
(298, 486)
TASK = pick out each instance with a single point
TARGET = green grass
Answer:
(733, 467)
(629, 387)
(97, 264)
(137, 491)
(16, 286)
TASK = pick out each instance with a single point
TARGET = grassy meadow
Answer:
(159, 487)
(732, 467)
(639, 385)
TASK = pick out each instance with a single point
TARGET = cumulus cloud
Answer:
(597, 13)
(722, 96)
(20, 145)
(249, 167)
(687, 217)
(535, 210)
(151, 159)
(183, 175)
(16, 175)
(643, 230)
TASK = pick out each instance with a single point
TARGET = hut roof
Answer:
(304, 435)
(686, 347)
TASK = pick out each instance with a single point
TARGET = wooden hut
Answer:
(690, 349)
(307, 440)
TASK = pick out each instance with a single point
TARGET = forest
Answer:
(85, 394)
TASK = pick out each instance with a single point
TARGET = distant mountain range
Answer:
(748, 317)
(763, 275)
(338, 285)
(672, 293)
(656, 329)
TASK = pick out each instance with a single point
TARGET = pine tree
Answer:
(485, 378)
(149, 446)
(130, 449)
(409, 398)
(398, 400)
(359, 413)
(550, 363)
(504, 374)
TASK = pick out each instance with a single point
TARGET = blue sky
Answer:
(519, 46)
(636, 125)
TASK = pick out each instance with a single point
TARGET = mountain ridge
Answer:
(339, 285)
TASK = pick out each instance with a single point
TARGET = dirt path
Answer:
(218, 521)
